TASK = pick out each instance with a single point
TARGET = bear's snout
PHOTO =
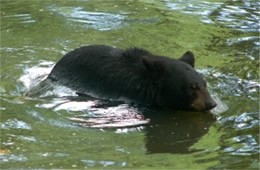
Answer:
(210, 104)
(203, 101)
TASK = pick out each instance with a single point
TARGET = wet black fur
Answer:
(133, 74)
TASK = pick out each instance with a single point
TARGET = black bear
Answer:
(134, 75)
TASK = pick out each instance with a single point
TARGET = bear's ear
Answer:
(155, 67)
(188, 58)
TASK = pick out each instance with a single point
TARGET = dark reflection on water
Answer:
(165, 131)
(175, 132)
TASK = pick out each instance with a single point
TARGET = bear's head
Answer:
(182, 87)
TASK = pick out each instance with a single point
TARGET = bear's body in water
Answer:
(134, 75)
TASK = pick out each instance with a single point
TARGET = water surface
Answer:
(62, 130)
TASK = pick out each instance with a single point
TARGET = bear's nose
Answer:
(210, 105)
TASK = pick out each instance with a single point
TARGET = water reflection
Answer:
(165, 131)
(105, 114)
(175, 132)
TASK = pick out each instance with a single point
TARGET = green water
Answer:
(224, 36)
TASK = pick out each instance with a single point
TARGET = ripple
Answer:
(221, 106)
(249, 146)
(15, 124)
(21, 18)
(33, 76)
(242, 121)
(27, 138)
(201, 8)
(90, 19)
(12, 158)
(232, 41)
(243, 17)
(232, 85)
(246, 121)
(241, 138)
(92, 163)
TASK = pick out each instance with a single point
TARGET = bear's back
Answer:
(102, 70)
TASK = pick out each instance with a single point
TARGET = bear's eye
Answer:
(205, 84)
(194, 86)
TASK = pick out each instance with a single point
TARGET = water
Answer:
(61, 130)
